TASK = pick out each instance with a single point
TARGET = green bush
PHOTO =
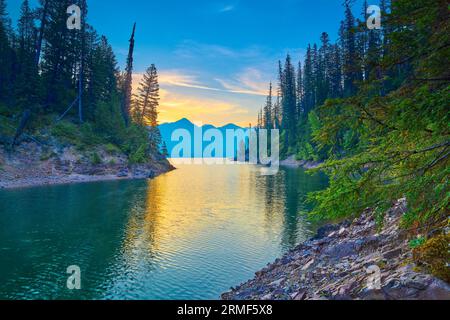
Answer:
(88, 136)
(139, 156)
(95, 158)
(82, 137)
(67, 132)
(111, 149)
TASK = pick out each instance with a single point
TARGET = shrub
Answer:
(66, 132)
(111, 149)
(95, 158)
(139, 156)
(433, 255)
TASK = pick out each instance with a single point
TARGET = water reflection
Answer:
(190, 234)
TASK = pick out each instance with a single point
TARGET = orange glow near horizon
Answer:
(199, 108)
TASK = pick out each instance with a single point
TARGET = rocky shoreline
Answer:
(293, 162)
(353, 260)
(30, 166)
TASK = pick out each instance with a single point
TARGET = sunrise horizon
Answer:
(224, 155)
(215, 64)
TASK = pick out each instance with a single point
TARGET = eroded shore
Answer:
(30, 165)
(352, 260)
(294, 163)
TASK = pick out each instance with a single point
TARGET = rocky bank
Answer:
(34, 165)
(342, 263)
(293, 162)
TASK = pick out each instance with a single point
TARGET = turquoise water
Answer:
(189, 234)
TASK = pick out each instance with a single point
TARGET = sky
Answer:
(215, 58)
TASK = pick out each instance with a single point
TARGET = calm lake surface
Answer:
(189, 234)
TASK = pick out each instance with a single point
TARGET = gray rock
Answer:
(301, 295)
(370, 294)
(276, 282)
(394, 253)
(436, 290)
(344, 249)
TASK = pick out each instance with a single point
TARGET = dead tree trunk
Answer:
(23, 123)
(41, 32)
(128, 81)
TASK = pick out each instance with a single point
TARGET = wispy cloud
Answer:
(176, 102)
(193, 49)
(227, 8)
(250, 81)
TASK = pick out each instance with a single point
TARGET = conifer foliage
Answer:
(55, 76)
(374, 107)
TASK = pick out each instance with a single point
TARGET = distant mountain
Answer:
(167, 129)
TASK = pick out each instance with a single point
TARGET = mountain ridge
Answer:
(168, 128)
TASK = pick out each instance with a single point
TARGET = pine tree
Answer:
(60, 57)
(403, 147)
(300, 91)
(349, 51)
(289, 104)
(101, 74)
(324, 66)
(309, 90)
(335, 73)
(267, 118)
(260, 119)
(6, 55)
(147, 99)
(42, 12)
(276, 112)
(164, 150)
(83, 54)
(27, 79)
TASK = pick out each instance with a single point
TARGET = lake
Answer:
(189, 234)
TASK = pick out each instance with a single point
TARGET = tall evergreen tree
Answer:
(349, 51)
(27, 81)
(60, 56)
(300, 90)
(147, 99)
(42, 12)
(268, 118)
(335, 73)
(324, 66)
(276, 112)
(308, 82)
(101, 74)
(6, 55)
(289, 104)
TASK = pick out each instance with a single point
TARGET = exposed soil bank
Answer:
(336, 266)
(32, 165)
(292, 162)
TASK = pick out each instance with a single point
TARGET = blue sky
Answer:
(215, 58)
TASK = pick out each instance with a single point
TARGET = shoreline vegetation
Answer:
(67, 168)
(67, 112)
(32, 165)
(373, 106)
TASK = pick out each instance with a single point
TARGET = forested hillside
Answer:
(57, 82)
(375, 106)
